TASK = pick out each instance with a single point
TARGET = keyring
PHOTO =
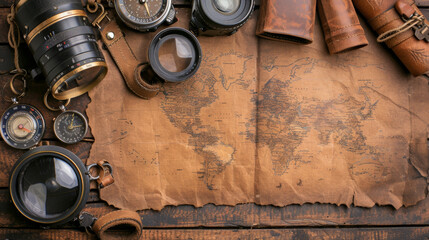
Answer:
(89, 171)
(61, 107)
(22, 76)
(100, 168)
(94, 5)
(10, 99)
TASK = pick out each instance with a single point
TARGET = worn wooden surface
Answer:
(245, 221)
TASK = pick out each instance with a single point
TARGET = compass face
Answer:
(22, 126)
(142, 15)
(70, 127)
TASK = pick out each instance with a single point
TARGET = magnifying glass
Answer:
(174, 56)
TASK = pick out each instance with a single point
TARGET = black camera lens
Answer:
(219, 17)
(63, 44)
(49, 185)
(226, 6)
(174, 54)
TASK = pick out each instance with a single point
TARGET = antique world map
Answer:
(269, 123)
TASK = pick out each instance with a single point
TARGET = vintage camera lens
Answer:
(174, 55)
(49, 185)
(63, 44)
(226, 6)
(219, 17)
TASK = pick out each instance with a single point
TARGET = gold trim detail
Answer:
(20, 3)
(81, 193)
(77, 91)
(54, 19)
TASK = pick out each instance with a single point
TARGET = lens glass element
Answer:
(175, 54)
(226, 6)
(48, 187)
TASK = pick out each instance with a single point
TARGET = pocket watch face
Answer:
(143, 15)
(22, 126)
(70, 127)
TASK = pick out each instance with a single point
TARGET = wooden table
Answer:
(248, 221)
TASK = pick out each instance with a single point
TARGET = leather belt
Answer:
(130, 68)
(121, 217)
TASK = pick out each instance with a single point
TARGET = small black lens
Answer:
(174, 54)
(58, 33)
(49, 185)
(219, 17)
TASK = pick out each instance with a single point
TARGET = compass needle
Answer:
(22, 126)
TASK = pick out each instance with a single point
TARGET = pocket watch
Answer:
(145, 15)
(70, 126)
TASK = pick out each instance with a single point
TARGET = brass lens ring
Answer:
(45, 101)
(20, 3)
(54, 19)
(18, 76)
(77, 91)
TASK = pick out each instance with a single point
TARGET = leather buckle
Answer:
(103, 15)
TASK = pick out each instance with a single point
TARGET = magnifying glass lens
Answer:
(227, 6)
(175, 54)
(47, 187)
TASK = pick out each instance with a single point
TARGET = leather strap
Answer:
(105, 175)
(126, 61)
(123, 218)
(391, 19)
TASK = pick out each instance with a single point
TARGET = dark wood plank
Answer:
(6, 56)
(425, 12)
(247, 215)
(351, 233)
(41, 234)
(8, 3)
(329, 233)
(4, 27)
(422, 3)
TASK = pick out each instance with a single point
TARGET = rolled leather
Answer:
(341, 26)
(287, 20)
(382, 17)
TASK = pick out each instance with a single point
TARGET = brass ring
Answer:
(22, 75)
(80, 90)
(45, 100)
(19, 4)
(10, 99)
(92, 10)
(54, 19)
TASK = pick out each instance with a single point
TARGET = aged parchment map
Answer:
(266, 122)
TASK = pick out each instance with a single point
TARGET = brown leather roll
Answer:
(341, 26)
(287, 20)
(383, 17)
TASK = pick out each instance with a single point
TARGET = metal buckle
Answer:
(100, 17)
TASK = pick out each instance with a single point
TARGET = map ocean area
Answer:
(266, 122)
